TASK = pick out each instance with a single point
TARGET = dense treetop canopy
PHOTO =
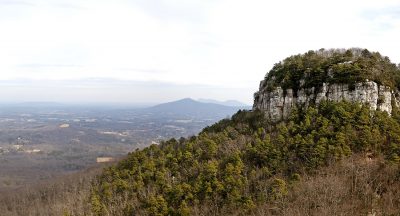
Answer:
(333, 66)
(241, 163)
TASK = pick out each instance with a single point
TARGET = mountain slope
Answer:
(242, 164)
(238, 165)
(356, 185)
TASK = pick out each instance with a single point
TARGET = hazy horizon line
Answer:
(113, 104)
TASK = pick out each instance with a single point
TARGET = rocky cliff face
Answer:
(278, 103)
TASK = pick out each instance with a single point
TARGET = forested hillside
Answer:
(237, 166)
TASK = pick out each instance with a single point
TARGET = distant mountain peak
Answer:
(231, 103)
(194, 108)
(185, 100)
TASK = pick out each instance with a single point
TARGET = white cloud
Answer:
(225, 43)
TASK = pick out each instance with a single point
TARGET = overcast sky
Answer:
(161, 50)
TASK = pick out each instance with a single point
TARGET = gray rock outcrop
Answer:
(277, 103)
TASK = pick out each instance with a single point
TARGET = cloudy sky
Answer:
(146, 51)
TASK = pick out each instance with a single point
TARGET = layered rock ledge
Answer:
(278, 102)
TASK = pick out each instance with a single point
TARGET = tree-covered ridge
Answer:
(238, 164)
(333, 66)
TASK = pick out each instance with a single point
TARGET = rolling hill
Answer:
(191, 108)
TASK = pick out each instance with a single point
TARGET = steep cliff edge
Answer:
(278, 104)
(353, 75)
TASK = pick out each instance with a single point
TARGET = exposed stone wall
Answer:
(278, 105)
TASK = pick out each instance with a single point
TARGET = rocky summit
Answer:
(292, 83)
